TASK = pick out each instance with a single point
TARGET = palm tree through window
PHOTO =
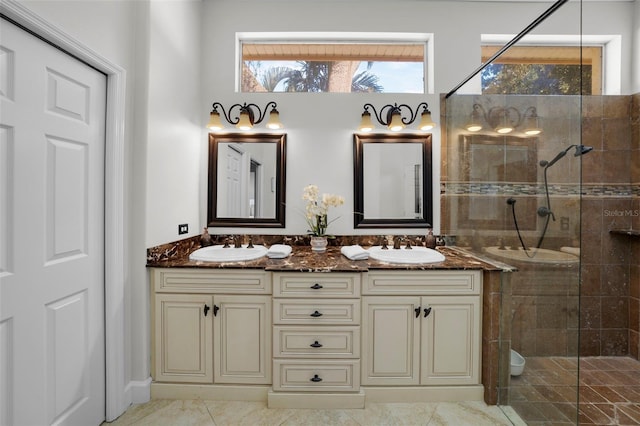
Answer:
(333, 67)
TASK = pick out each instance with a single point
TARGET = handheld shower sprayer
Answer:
(545, 211)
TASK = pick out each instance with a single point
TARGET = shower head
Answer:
(580, 150)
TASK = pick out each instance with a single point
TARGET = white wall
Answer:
(174, 124)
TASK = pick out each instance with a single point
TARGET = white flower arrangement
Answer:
(317, 209)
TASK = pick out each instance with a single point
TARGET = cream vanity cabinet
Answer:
(316, 336)
(421, 328)
(211, 326)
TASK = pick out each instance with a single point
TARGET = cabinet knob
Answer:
(427, 311)
(316, 286)
(417, 311)
(316, 344)
(216, 308)
(316, 379)
(316, 314)
(206, 310)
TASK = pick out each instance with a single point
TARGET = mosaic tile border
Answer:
(501, 188)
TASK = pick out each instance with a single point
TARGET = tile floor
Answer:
(207, 413)
(545, 393)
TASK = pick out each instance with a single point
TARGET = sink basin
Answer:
(403, 255)
(230, 254)
(533, 255)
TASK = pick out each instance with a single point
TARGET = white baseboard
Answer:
(139, 391)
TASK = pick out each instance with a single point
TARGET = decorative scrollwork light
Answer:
(392, 117)
(246, 117)
(504, 120)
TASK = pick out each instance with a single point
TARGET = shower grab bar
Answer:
(513, 41)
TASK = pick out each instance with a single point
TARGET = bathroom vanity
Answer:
(334, 333)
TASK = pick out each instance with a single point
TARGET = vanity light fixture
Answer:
(504, 120)
(245, 118)
(392, 117)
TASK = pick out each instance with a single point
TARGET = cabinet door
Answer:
(183, 338)
(450, 340)
(242, 329)
(391, 342)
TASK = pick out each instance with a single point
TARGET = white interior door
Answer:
(52, 144)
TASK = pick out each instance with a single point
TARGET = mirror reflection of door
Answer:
(233, 187)
(240, 194)
(255, 183)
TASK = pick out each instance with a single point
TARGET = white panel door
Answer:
(52, 143)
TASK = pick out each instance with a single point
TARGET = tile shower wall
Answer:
(543, 309)
(609, 271)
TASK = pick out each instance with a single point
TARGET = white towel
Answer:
(355, 252)
(278, 251)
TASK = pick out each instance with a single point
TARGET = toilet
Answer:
(517, 363)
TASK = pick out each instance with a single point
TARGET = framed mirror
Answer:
(392, 181)
(246, 180)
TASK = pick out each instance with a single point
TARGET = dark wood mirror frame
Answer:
(359, 220)
(278, 221)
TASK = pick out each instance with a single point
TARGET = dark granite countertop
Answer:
(303, 259)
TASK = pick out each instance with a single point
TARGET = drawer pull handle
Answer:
(427, 311)
(316, 344)
(417, 311)
(316, 314)
(316, 286)
(316, 379)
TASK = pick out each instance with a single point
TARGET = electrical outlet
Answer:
(183, 229)
(564, 223)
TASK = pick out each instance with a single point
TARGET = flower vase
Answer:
(319, 244)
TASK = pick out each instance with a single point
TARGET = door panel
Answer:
(451, 338)
(242, 330)
(52, 143)
(391, 334)
(184, 338)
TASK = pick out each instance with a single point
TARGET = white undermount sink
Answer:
(403, 255)
(230, 254)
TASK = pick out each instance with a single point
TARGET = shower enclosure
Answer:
(515, 198)
(560, 208)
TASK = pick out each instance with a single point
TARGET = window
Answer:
(333, 63)
(543, 70)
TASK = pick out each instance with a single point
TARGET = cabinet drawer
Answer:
(423, 282)
(310, 376)
(184, 280)
(316, 311)
(316, 284)
(316, 342)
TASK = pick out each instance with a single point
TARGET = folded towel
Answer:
(355, 252)
(278, 251)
